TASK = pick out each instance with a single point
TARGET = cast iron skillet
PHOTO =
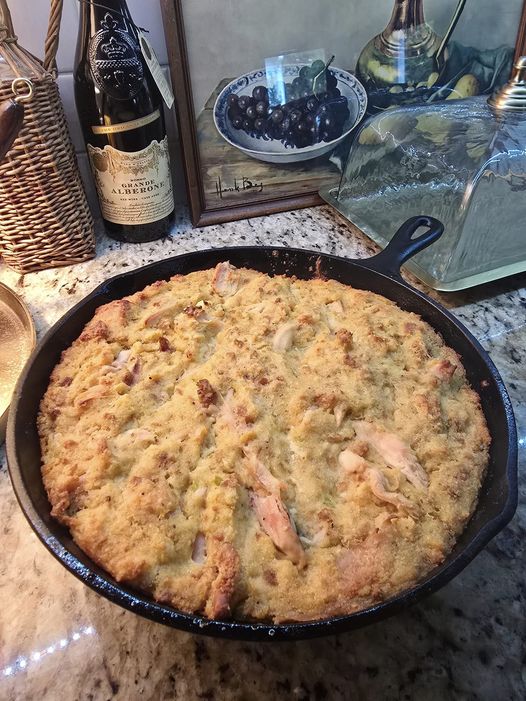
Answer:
(381, 274)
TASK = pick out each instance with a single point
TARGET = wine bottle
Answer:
(121, 114)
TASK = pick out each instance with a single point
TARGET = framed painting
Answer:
(240, 162)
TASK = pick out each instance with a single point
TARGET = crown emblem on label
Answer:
(108, 23)
(114, 49)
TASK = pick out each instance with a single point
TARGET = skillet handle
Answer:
(402, 246)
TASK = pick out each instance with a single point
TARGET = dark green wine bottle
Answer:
(121, 114)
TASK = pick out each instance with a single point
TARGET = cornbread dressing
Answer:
(265, 448)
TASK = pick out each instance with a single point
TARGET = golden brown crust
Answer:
(263, 448)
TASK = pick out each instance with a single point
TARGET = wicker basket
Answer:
(45, 220)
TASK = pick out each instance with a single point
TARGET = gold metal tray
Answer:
(17, 340)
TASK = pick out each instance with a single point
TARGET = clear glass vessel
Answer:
(461, 161)
(403, 63)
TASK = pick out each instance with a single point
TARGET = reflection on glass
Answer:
(463, 162)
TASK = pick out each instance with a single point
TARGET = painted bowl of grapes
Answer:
(306, 116)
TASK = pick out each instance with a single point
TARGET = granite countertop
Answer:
(60, 640)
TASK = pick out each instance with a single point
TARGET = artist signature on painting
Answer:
(242, 185)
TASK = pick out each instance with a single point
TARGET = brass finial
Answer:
(512, 96)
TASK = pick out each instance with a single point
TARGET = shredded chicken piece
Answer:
(351, 462)
(335, 309)
(225, 281)
(227, 410)
(156, 317)
(95, 392)
(336, 306)
(139, 434)
(380, 489)
(319, 538)
(262, 474)
(232, 413)
(394, 451)
(133, 375)
(339, 413)
(277, 524)
(200, 492)
(120, 361)
(199, 549)
(284, 336)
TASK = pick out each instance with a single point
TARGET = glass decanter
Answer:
(403, 63)
(461, 161)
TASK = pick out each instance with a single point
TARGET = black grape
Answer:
(237, 122)
(232, 100)
(295, 116)
(248, 125)
(277, 115)
(297, 84)
(251, 112)
(261, 109)
(259, 93)
(243, 102)
(301, 127)
(260, 124)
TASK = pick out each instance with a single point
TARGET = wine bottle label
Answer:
(134, 187)
(114, 60)
(126, 126)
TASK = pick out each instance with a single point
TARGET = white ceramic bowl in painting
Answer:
(272, 150)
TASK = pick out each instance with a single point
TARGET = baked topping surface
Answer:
(262, 448)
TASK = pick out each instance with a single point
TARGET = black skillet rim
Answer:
(241, 630)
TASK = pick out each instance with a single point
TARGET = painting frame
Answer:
(200, 213)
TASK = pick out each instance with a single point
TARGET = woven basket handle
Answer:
(7, 33)
(53, 30)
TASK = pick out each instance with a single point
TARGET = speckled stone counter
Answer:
(61, 641)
